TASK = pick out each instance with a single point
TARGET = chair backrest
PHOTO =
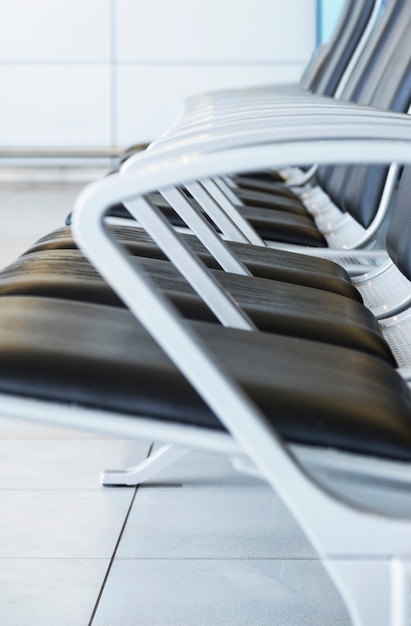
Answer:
(366, 76)
(358, 189)
(399, 231)
(347, 36)
(380, 44)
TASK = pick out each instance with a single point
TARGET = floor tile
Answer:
(49, 592)
(226, 593)
(204, 469)
(64, 463)
(71, 524)
(220, 524)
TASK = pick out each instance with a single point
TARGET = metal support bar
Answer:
(229, 229)
(205, 233)
(222, 304)
(141, 473)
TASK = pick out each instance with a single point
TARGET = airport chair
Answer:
(135, 475)
(358, 405)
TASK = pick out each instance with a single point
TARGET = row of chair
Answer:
(312, 393)
(279, 358)
(263, 385)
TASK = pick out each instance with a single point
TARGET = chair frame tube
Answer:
(367, 555)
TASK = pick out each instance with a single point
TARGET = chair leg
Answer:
(376, 592)
(165, 456)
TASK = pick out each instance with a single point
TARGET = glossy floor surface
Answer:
(202, 545)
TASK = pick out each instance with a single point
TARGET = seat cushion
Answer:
(271, 224)
(100, 357)
(274, 225)
(272, 305)
(266, 176)
(261, 261)
(268, 183)
(278, 197)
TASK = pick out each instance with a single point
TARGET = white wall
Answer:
(112, 72)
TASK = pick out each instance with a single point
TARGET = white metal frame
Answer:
(213, 110)
(366, 554)
(342, 230)
(372, 284)
(189, 438)
(384, 289)
(204, 231)
(151, 466)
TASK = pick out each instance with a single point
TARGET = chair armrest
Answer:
(355, 544)
(356, 122)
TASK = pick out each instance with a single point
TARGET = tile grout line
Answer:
(282, 559)
(113, 556)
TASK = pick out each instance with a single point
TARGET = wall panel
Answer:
(55, 106)
(250, 30)
(161, 89)
(53, 31)
(110, 72)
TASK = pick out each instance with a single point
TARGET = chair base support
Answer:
(162, 458)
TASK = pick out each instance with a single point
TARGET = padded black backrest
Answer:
(380, 43)
(365, 76)
(351, 27)
(345, 23)
(399, 231)
(364, 185)
(358, 189)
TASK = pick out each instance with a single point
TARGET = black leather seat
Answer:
(273, 306)
(262, 262)
(349, 31)
(99, 357)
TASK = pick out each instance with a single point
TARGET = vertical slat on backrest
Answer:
(363, 185)
(349, 32)
(380, 43)
(360, 76)
(399, 230)
(358, 189)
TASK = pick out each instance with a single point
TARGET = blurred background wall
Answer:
(107, 73)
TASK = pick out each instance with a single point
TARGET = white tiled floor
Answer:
(201, 545)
